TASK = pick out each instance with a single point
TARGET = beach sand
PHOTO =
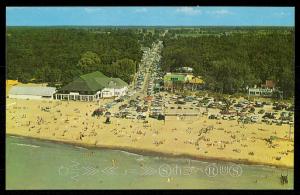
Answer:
(194, 137)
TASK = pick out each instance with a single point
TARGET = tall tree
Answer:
(89, 62)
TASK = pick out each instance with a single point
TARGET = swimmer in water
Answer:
(113, 162)
(141, 164)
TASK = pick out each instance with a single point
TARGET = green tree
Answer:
(124, 69)
(89, 62)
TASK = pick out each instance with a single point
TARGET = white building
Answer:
(260, 91)
(30, 92)
(114, 90)
(264, 92)
(185, 69)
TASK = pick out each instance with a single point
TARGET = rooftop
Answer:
(93, 82)
(38, 91)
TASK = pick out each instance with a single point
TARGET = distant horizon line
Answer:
(149, 26)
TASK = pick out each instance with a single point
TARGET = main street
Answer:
(150, 58)
(142, 84)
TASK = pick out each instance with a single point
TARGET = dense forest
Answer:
(232, 61)
(57, 55)
(229, 58)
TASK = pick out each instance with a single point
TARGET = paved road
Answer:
(146, 64)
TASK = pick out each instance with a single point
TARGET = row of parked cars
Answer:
(268, 117)
(140, 79)
(157, 110)
(154, 70)
(243, 111)
(135, 109)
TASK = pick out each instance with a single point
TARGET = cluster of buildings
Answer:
(182, 79)
(265, 90)
(88, 87)
(95, 86)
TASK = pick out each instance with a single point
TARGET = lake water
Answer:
(35, 164)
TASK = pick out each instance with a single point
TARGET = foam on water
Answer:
(61, 166)
(26, 145)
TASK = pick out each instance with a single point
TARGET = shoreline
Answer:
(149, 152)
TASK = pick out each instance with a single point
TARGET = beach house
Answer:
(91, 87)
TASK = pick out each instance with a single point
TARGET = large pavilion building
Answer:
(92, 87)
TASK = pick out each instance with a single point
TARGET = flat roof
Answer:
(29, 90)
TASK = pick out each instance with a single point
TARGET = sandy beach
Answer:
(204, 138)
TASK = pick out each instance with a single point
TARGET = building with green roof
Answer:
(92, 86)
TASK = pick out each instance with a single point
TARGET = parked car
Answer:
(252, 110)
(225, 117)
(232, 117)
(258, 104)
(119, 100)
(261, 111)
(130, 116)
(122, 106)
(244, 119)
(254, 118)
(153, 115)
(180, 102)
(138, 108)
(285, 122)
(269, 115)
(141, 117)
(145, 109)
(278, 107)
(212, 116)
(244, 110)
